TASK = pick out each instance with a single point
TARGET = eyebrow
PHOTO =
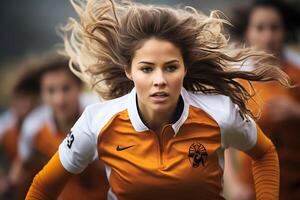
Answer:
(150, 63)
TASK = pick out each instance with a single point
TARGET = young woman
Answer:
(268, 26)
(46, 127)
(24, 98)
(175, 106)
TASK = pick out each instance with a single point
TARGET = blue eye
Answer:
(147, 69)
(171, 68)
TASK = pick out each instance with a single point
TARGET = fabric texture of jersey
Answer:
(285, 135)
(7, 121)
(41, 138)
(9, 134)
(188, 164)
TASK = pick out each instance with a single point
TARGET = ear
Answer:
(128, 73)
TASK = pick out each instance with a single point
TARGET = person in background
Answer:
(269, 25)
(45, 128)
(24, 98)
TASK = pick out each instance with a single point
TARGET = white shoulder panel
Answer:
(7, 120)
(236, 131)
(30, 127)
(80, 147)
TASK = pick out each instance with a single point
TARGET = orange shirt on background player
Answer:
(41, 139)
(285, 135)
(10, 143)
(9, 134)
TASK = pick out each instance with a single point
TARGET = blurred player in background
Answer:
(45, 128)
(268, 25)
(24, 98)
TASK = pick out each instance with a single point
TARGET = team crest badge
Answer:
(197, 155)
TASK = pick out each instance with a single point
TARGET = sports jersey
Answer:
(39, 135)
(7, 120)
(9, 134)
(189, 162)
(10, 143)
(285, 135)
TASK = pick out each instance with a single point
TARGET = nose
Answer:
(59, 98)
(267, 38)
(159, 79)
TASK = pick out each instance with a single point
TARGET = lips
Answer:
(159, 94)
(159, 97)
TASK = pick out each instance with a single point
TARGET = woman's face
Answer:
(61, 92)
(266, 30)
(157, 71)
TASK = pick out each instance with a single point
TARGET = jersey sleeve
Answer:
(79, 148)
(239, 131)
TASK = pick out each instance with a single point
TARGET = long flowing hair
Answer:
(101, 45)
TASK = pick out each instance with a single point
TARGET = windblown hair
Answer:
(102, 44)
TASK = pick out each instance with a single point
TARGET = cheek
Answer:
(46, 97)
(253, 37)
(280, 37)
(73, 95)
(142, 85)
(176, 80)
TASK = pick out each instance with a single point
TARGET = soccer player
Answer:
(45, 128)
(174, 105)
(268, 25)
(24, 98)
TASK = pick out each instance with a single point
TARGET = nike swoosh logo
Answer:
(123, 148)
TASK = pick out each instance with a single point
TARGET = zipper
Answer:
(161, 145)
(160, 141)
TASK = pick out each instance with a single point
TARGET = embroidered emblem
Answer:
(197, 154)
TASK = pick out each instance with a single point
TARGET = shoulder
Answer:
(219, 107)
(80, 147)
(88, 98)
(236, 130)
(31, 127)
(35, 121)
(7, 120)
(97, 115)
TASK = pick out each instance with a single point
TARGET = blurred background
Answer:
(30, 28)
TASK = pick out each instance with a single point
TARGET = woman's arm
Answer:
(49, 182)
(241, 132)
(265, 168)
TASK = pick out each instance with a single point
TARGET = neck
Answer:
(64, 124)
(156, 120)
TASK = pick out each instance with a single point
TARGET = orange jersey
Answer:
(284, 135)
(9, 134)
(10, 143)
(187, 164)
(40, 136)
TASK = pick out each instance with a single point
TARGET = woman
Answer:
(166, 138)
(268, 26)
(24, 98)
(46, 127)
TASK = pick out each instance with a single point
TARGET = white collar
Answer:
(138, 124)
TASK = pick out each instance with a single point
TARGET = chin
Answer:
(161, 108)
(61, 114)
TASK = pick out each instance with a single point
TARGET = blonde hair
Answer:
(102, 43)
